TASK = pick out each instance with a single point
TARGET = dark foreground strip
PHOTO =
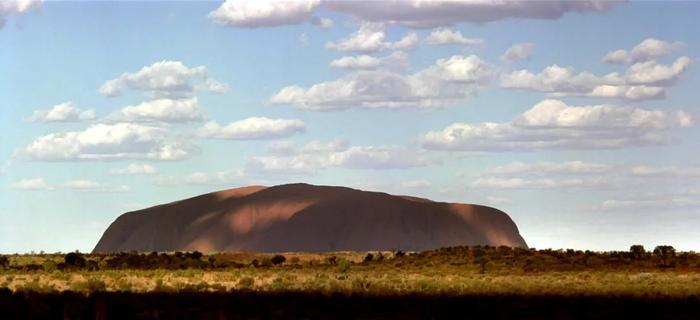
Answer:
(294, 305)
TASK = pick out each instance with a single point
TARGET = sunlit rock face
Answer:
(302, 217)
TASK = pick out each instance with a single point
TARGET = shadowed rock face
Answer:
(302, 217)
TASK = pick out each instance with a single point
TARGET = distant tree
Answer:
(666, 254)
(4, 262)
(195, 255)
(637, 251)
(332, 260)
(278, 259)
(399, 254)
(343, 266)
(266, 262)
(368, 258)
(74, 259)
(380, 256)
(255, 263)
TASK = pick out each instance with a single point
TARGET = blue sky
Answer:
(115, 106)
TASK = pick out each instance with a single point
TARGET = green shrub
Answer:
(89, 286)
(278, 259)
(343, 266)
(246, 283)
(49, 266)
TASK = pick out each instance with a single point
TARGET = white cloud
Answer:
(398, 60)
(416, 184)
(370, 37)
(557, 79)
(494, 200)
(323, 23)
(134, 169)
(314, 156)
(665, 172)
(83, 185)
(62, 112)
(446, 36)
(203, 179)
(371, 157)
(304, 39)
(89, 185)
(548, 167)
(520, 51)
(214, 86)
(551, 124)
(447, 81)
(646, 80)
(646, 50)
(544, 183)
(636, 92)
(263, 13)
(406, 43)
(32, 184)
(107, 142)
(669, 201)
(357, 62)
(254, 128)
(433, 13)
(617, 56)
(161, 110)
(411, 13)
(171, 79)
(17, 7)
(653, 73)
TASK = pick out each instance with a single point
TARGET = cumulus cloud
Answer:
(263, 13)
(32, 184)
(134, 169)
(370, 37)
(17, 7)
(580, 174)
(548, 167)
(214, 86)
(203, 179)
(410, 13)
(654, 73)
(82, 185)
(397, 60)
(689, 199)
(647, 171)
(161, 110)
(642, 81)
(62, 112)
(117, 141)
(647, 50)
(439, 85)
(323, 23)
(551, 124)
(433, 13)
(287, 159)
(89, 185)
(254, 128)
(416, 184)
(171, 79)
(446, 37)
(543, 183)
(520, 51)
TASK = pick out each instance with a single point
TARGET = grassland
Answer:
(497, 273)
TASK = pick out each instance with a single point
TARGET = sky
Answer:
(577, 118)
